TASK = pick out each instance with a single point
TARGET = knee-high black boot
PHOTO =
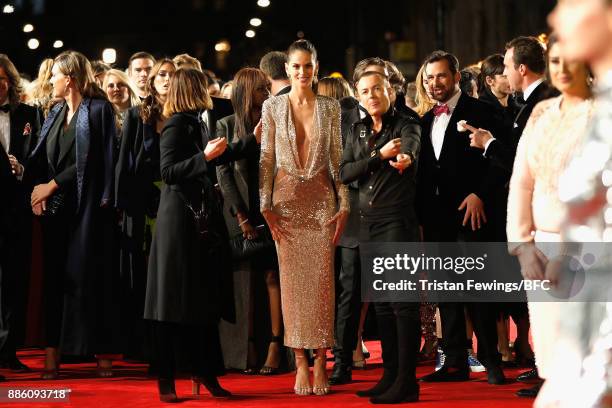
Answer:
(405, 387)
(387, 332)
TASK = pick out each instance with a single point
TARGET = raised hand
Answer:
(215, 148)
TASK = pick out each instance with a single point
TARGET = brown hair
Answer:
(334, 87)
(151, 108)
(187, 61)
(273, 64)
(15, 88)
(364, 63)
(440, 55)
(529, 52)
(188, 92)
(396, 78)
(245, 84)
(491, 66)
(77, 66)
(139, 55)
(302, 45)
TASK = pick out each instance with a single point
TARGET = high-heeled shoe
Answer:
(104, 371)
(324, 388)
(167, 392)
(269, 370)
(211, 384)
(301, 390)
(50, 374)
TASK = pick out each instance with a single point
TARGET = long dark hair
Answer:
(491, 66)
(15, 88)
(151, 109)
(245, 83)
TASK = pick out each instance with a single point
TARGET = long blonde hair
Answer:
(123, 78)
(77, 66)
(40, 91)
(423, 102)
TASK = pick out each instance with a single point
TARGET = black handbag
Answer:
(55, 204)
(243, 248)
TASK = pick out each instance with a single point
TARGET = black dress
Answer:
(189, 280)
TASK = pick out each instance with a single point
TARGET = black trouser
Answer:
(196, 348)
(56, 234)
(15, 282)
(348, 303)
(441, 227)
(398, 322)
(483, 316)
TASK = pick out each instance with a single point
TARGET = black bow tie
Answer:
(5, 108)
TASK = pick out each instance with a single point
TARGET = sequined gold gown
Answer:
(308, 197)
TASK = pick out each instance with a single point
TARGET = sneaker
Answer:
(440, 358)
(475, 365)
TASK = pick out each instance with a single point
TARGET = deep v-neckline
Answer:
(293, 136)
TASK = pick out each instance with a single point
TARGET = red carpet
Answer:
(131, 388)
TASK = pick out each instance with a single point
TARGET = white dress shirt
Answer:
(440, 123)
(5, 130)
(527, 92)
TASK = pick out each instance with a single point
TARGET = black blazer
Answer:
(460, 170)
(502, 150)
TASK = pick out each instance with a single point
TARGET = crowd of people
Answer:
(170, 201)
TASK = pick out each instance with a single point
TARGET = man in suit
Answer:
(524, 66)
(273, 65)
(19, 130)
(453, 188)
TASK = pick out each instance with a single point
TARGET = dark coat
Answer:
(503, 150)
(189, 278)
(137, 197)
(90, 315)
(460, 171)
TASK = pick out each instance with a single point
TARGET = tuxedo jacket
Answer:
(25, 131)
(502, 150)
(443, 183)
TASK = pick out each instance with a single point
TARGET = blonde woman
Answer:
(423, 97)
(39, 92)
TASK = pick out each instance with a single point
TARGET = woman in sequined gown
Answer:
(305, 206)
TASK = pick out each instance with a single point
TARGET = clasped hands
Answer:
(39, 196)
(277, 224)
(536, 266)
(393, 149)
